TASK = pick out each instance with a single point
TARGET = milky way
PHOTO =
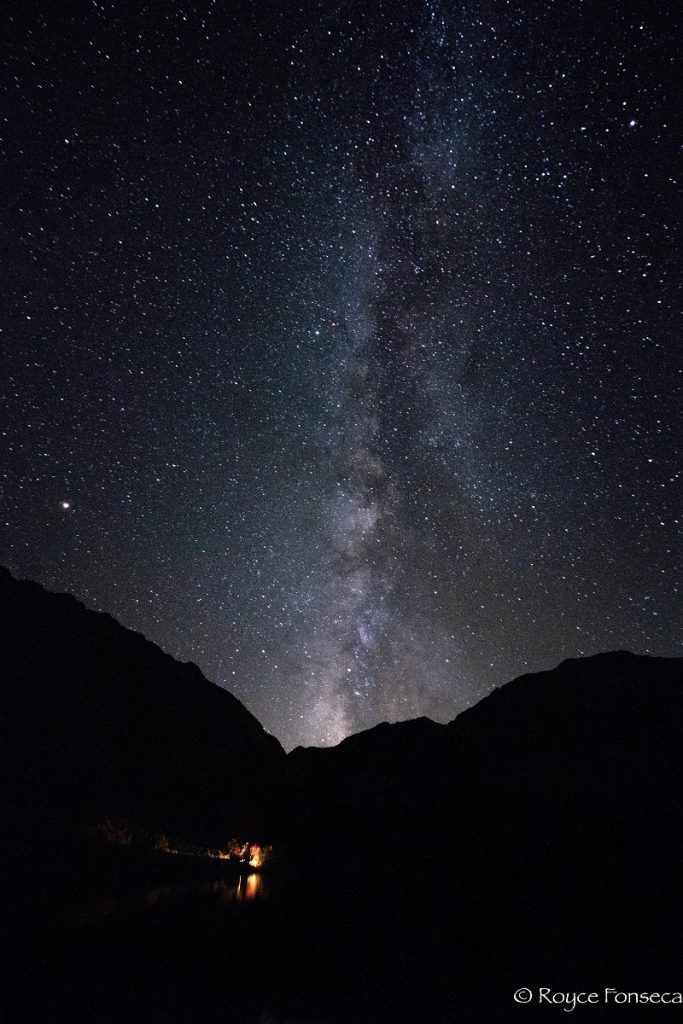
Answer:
(341, 348)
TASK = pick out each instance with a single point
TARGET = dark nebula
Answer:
(341, 343)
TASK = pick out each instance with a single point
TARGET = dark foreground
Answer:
(420, 872)
(199, 942)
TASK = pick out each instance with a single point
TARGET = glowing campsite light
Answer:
(256, 856)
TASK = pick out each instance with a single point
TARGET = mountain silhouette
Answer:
(100, 724)
(582, 757)
(423, 870)
(535, 839)
(568, 779)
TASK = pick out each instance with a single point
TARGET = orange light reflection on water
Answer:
(249, 888)
(252, 887)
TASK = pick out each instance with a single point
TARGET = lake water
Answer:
(259, 948)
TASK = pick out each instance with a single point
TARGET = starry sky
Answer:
(340, 341)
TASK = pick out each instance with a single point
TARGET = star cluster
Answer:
(340, 341)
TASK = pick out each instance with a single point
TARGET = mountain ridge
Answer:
(416, 864)
(100, 724)
(531, 679)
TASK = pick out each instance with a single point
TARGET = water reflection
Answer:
(242, 889)
(249, 887)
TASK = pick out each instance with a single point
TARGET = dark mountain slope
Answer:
(576, 772)
(99, 723)
(535, 840)
(589, 753)
(423, 870)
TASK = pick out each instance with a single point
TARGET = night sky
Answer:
(340, 340)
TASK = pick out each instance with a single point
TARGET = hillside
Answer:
(551, 768)
(421, 869)
(534, 840)
(99, 724)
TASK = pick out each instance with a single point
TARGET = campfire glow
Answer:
(257, 855)
(252, 854)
